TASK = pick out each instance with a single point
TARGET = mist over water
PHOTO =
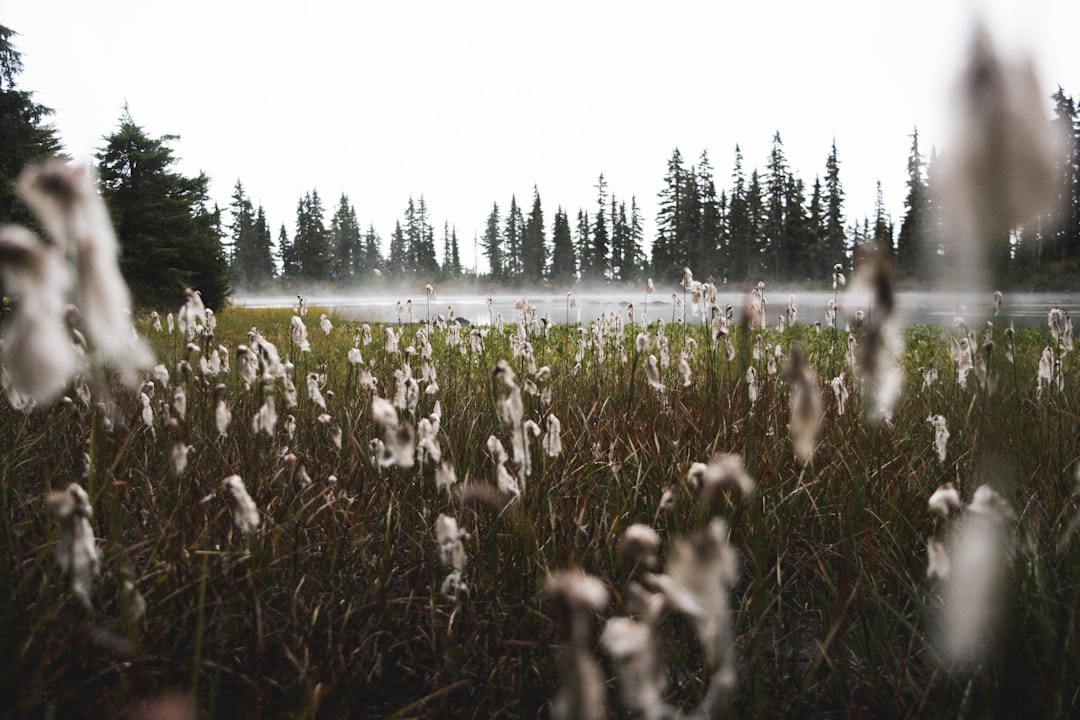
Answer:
(913, 307)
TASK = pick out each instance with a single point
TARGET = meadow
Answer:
(330, 583)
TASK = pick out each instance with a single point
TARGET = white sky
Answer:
(470, 102)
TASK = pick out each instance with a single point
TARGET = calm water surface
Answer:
(937, 308)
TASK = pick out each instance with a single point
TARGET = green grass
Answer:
(333, 608)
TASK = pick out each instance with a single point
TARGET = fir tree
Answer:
(513, 239)
(882, 234)
(262, 255)
(596, 266)
(711, 224)
(666, 259)
(399, 252)
(912, 238)
(169, 237)
(534, 246)
(346, 244)
(563, 265)
(493, 245)
(25, 135)
(290, 269)
(311, 242)
(834, 238)
(241, 243)
(372, 252)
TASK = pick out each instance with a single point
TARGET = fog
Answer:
(585, 305)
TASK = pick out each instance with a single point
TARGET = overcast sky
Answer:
(468, 103)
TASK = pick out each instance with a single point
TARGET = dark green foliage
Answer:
(534, 253)
(563, 265)
(311, 241)
(25, 135)
(251, 248)
(513, 237)
(492, 243)
(347, 261)
(169, 237)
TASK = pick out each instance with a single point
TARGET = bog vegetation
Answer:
(287, 517)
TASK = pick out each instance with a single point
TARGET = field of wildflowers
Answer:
(632, 519)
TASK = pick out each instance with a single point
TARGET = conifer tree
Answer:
(372, 252)
(882, 234)
(399, 252)
(262, 255)
(513, 239)
(493, 245)
(711, 219)
(290, 269)
(913, 237)
(346, 244)
(169, 237)
(534, 253)
(595, 266)
(311, 242)
(834, 239)
(25, 134)
(666, 259)
(563, 265)
(240, 244)
(774, 240)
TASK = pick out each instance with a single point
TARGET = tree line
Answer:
(762, 225)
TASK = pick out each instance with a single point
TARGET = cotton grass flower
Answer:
(37, 352)
(222, 414)
(76, 550)
(652, 374)
(945, 500)
(299, 334)
(324, 324)
(724, 470)
(941, 435)
(450, 539)
(245, 513)
(552, 442)
(971, 564)
(445, 477)
(66, 200)
(806, 409)
(700, 574)
(639, 545)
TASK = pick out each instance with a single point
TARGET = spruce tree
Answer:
(741, 228)
(882, 234)
(563, 265)
(25, 135)
(290, 269)
(711, 221)
(534, 246)
(262, 268)
(493, 245)
(773, 244)
(372, 253)
(399, 252)
(835, 241)
(241, 242)
(311, 241)
(596, 266)
(169, 237)
(583, 231)
(911, 239)
(666, 259)
(513, 239)
(346, 244)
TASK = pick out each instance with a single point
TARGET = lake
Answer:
(937, 308)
